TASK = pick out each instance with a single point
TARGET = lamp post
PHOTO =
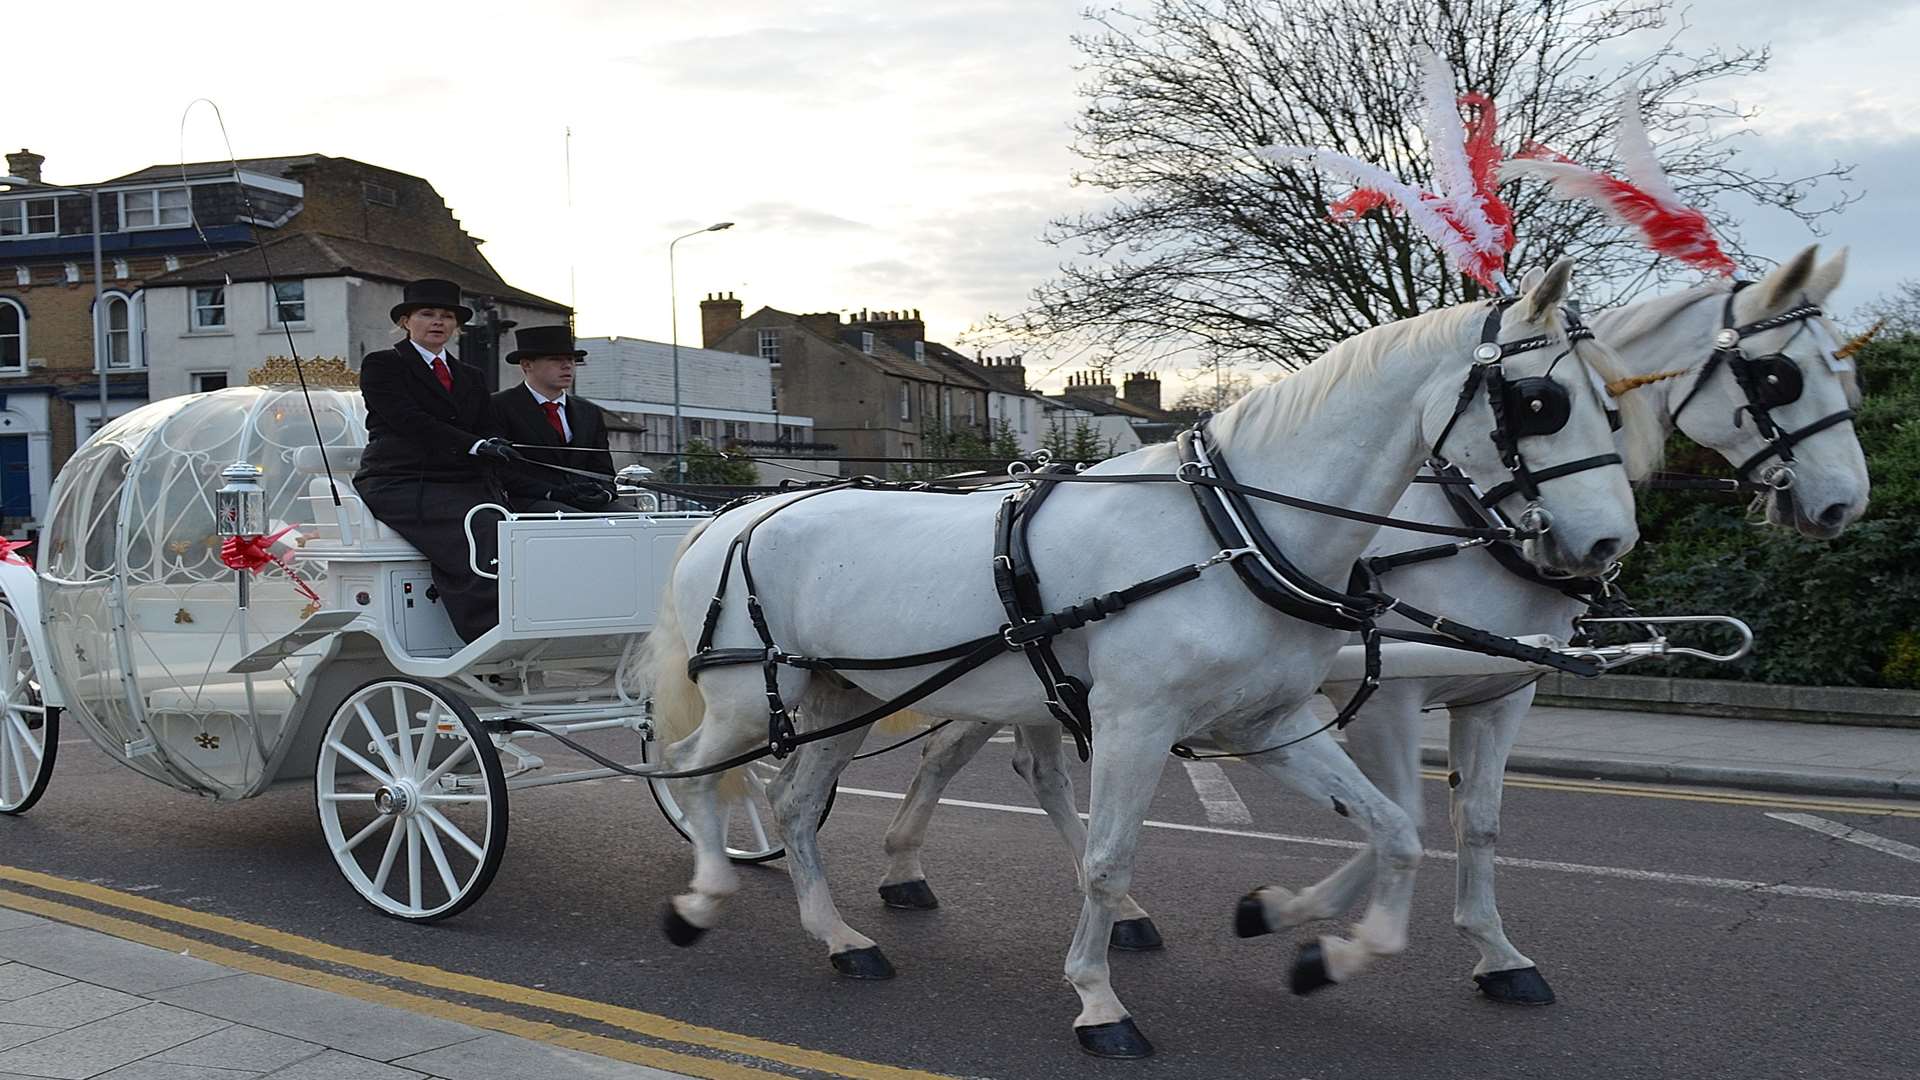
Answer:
(673, 298)
(99, 278)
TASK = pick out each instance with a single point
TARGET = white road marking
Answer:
(1217, 795)
(1851, 835)
(1804, 892)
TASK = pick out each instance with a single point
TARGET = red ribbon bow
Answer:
(255, 553)
(8, 548)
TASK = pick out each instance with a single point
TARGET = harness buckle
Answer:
(1726, 339)
(1223, 555)
(1777, 477)
(1190, 472)
(1487, 352)
(1536, 519)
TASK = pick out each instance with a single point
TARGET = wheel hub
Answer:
(396, 799)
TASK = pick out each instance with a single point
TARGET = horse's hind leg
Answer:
(947, 752)
(1038, 759)
(1319, 768)
(799, 796)
(1480, 739)
(733, 723)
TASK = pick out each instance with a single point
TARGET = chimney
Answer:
(1096, 384)
(719, 315)
(1142, 389)
(25, 164)
(1010, 369)
(824, 323)
(900, 328)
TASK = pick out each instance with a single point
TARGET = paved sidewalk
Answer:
(80, 1005)
(1771, 755)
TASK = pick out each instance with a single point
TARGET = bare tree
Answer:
(1208, 251)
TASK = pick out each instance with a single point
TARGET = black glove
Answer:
(497, 448)
(583, 493)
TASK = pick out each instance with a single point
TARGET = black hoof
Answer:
(910, 896)
(1120, 1039)
(1250, 917)
(1136, 935)
(867, 963)
(679, 931)
(1521, 986)
(1310, 970)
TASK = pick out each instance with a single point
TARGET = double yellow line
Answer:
(645, 1024)
(1727, 798)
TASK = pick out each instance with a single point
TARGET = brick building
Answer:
(164, 220)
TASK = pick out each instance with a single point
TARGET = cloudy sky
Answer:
(874, 153)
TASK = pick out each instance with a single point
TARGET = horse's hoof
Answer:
(1310, 970)
(1136, 935)
(867, 963)
(1120, 1039)
(1250, 917)
(914, 895)
(1520, 986)
(679, 931)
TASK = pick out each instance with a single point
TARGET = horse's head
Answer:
(1772, 397)
(1524, 414)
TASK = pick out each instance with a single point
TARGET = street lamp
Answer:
(673, 297)
(99, 278)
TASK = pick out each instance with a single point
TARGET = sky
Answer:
(873, 153)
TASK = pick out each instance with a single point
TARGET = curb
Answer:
(1845, 785)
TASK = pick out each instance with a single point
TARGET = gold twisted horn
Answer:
(1860, 342)
(1633, 382)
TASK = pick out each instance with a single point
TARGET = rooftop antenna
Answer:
(573, 294)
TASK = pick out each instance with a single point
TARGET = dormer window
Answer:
(920, 351)
(29, 217)
(160, 208)
(866, 341)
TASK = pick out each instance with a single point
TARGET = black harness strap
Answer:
(1018, 585)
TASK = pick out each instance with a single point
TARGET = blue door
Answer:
(16, 478)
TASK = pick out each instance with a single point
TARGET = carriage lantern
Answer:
(240, 506)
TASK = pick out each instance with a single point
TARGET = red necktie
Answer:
(440, 372)
(553, 418)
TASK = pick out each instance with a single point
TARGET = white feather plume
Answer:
(1447, 145)
(1636, 152)
(1568, 181)
(1366, 175)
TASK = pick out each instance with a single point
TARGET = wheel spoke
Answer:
(348, 796)
(361, 763)
(759, 827)
(423, 754)
(386, 860)
(372, 827)
(403, 717)
(26, 736)
(439, 860)
(413, 864)
(6, 778)
(452, 830)
(444, 798)
(465, 750)
(20, 770)
(379, 737)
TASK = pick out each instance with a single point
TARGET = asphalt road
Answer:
(1666, 964)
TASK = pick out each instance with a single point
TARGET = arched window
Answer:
(125, 329)
(13, 335)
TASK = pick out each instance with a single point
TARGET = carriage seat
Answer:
(371, 537)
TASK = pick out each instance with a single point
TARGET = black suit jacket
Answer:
(415, 428)
(522, 421)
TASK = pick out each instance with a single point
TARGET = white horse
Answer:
(864, 574)
(1657, 337)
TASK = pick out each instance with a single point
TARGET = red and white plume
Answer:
(1646, 200)
(1464, 216)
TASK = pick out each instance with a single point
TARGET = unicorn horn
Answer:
(1620, 386)
(1860, 342)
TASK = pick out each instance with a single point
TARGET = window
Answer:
(866, 341)
(1023, 416)
(906, 449)
(731, 429)
(204, 381)
(695, 429)
(789, 434)
(290, 303)
(30, 217)
(770, 346)
(209, 308)
(13, 335)
(378, 194)
(973, 408)
(906, 402)
(920, 351)
(124, 325)
(161, 208)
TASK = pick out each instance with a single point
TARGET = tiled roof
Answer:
(320, 255)
(273, 166)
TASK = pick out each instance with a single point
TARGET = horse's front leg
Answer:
(1480, 740)
(1126, 769)
(1320, 769)
(947, 752)
(1384, 740)
(1038, 758)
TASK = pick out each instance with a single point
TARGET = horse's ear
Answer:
(1827, 277)
(1530, 280)
(1788, 281)
(1547, 294)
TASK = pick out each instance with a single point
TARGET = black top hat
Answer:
(537, 341)
(430, 292)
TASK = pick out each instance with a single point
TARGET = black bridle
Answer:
(1534, 405)
(1768, 382)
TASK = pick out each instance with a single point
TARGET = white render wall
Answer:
(634, 369)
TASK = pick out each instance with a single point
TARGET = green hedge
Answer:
(1838, 613)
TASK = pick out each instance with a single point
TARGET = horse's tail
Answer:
(678, 705)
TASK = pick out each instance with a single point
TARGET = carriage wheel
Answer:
(752, 833)
(29, 729)
(411, 798)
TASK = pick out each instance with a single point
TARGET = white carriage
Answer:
(134, 629)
